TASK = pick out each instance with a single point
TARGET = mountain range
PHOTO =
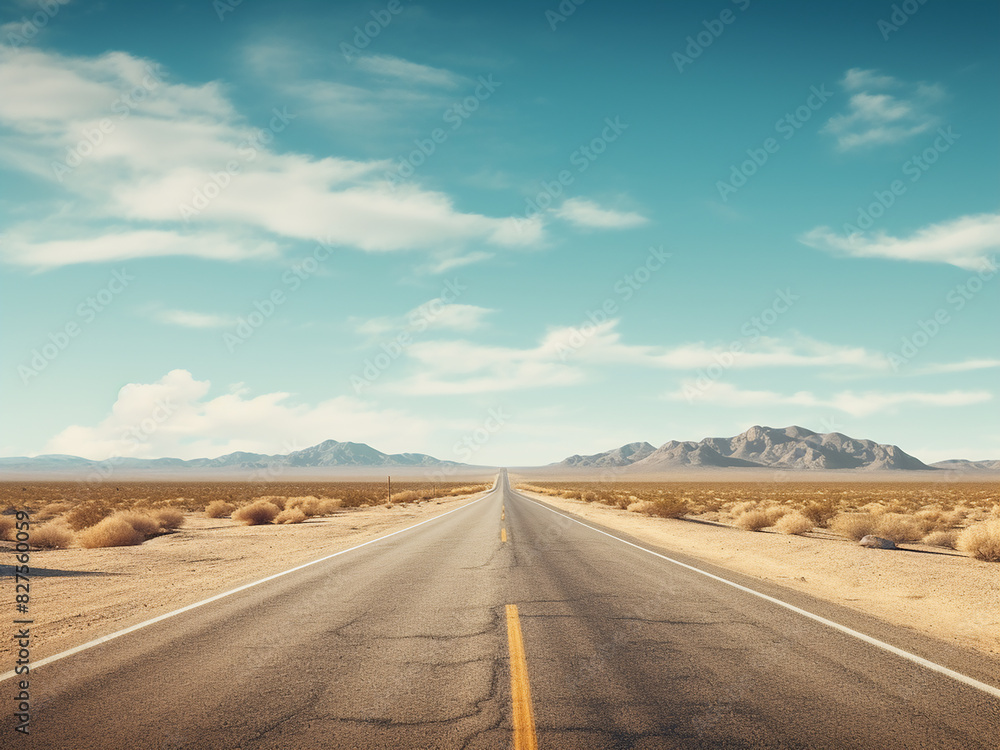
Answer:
(329, 453)
(793, 448)
(790, 448)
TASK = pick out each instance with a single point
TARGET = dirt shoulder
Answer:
(940, 593)
(78, 595)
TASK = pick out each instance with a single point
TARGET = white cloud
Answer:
(585, 213)
(435, 314)
(175, 416)
(18, 248)
(857, 79)
(193, 319)
(964, 366)
(561, 356)
(326, 89)
(965, 242)
(410, 72)
(855, 404)
(155, 156)
(875, 116)
(446, 263)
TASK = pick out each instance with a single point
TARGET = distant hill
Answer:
(759, 447)
(960, 464)
(627, 454)
(329, 453)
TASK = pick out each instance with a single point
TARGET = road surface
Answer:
(498, 625)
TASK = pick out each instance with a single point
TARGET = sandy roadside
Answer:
(943, 594)
(81, 594)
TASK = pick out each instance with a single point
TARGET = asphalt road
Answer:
(407, 643)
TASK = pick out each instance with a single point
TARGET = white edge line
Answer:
(966, 680)
(131, 629)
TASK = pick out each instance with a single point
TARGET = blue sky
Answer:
(497, 233)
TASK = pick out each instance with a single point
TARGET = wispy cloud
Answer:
(967, 242)
(855, 404)
(182, 143)
(567, 355)
(586, 213)
(435, 314)
(409, 72)
(882, 110)
(193, 319)
(348, 95)
(968, 365)
(25, 246)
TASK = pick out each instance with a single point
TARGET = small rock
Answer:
(877, 542)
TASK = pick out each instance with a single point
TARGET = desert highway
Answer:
(504, 624)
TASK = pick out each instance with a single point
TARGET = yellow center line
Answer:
(503, 535)
(524, 715)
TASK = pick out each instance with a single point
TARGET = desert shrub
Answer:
(51, 510)
(113, 531)
(278, 501)
(315, 506)
(7, 524)
(775, 513)
(256, 513)
(219, 509)
(327, 505)
(406, 496)
(144, 524)
(588, 496)
(738, 509)
(899, 528)
(794, 523)
(640, 506)
(668, 507)
(942, 539)
(753, 520)
(52, 535)
(934, 519)
(290, 515)
(854, 526)
(820, 512)
(88, 513)
(981, 541)
(168, 518)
